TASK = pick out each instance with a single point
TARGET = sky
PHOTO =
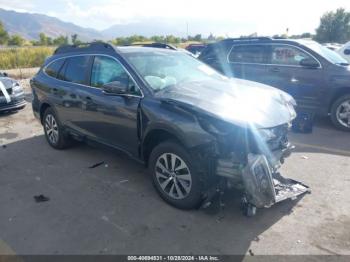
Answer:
(265, 17)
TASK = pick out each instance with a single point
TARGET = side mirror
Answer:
(310, 63)
(347, 51)
(115, 88)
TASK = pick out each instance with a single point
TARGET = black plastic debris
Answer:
(41, 198)
(303, 123)
(97, 165)
(4, 146)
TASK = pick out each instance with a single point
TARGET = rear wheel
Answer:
(54, 132)
(340, 113)
(175, 175)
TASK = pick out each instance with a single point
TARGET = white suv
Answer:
(345, 51)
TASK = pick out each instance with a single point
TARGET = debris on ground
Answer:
(303, 123)
(4, 146)
(41, 198)
(304, 157)
(123, 181)
(299, 241)
(251, 252)
(106, 165)
(97, 165)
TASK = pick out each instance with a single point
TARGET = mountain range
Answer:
(30, 25)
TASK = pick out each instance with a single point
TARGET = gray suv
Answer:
(318, 78)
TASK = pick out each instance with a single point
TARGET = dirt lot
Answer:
(113, 209)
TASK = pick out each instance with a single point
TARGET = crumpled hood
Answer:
(237, 101)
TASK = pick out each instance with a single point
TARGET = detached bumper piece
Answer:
(264, 187)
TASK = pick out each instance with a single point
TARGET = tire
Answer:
(341, 107)
(54, 132)
(186, 191)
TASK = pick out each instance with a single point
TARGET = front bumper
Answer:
(263, 185)
(17, 102)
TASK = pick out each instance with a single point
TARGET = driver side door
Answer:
(112, 118)
(284, 71)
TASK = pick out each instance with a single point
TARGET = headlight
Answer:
(266, 134)
(16, 88)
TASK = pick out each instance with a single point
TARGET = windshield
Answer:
(164, 69)
(330, 55)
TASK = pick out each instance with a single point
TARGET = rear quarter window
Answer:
(253, 54)
(53, 68)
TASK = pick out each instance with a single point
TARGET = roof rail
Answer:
(156, 45)
(248, 38)
(94, 46)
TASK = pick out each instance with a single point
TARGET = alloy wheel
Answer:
(173, 176)
(51, 129)
(343, 114)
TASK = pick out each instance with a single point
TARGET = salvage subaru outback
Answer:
(196, 130)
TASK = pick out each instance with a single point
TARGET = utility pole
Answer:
(187, 29)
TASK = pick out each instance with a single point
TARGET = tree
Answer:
(61, 40)
(75, 39)
(198, 37)
(4, 36)
(211, 37)
(16, 40)
(306, 35)
(158, 38)
(43, 39)
(334, 27)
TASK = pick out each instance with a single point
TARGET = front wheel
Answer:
(340, 113)
(54, 132)
(175, 175)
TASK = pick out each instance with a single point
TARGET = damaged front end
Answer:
(250, 159)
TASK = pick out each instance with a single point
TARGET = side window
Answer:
(106, 70)
(75, 69)
(254, 54)
(287, 55)
(53, 68)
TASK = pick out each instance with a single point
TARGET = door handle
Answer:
(275, 70)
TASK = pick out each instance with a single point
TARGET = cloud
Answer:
(264, 17)
(17, 5)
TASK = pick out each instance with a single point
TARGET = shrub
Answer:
(24, 57)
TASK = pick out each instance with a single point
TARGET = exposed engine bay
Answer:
(251, 161)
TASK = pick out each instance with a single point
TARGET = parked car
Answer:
(195, 49)
(318, 78)
(332, 46)
(344, 51)
(163, 45)
(195, 129)
(11, 94)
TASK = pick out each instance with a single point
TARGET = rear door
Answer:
(74, 80)
(284, 71)
(248, 61)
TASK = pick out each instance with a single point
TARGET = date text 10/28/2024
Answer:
(173, 258)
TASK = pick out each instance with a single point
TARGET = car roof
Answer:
(141, 49)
